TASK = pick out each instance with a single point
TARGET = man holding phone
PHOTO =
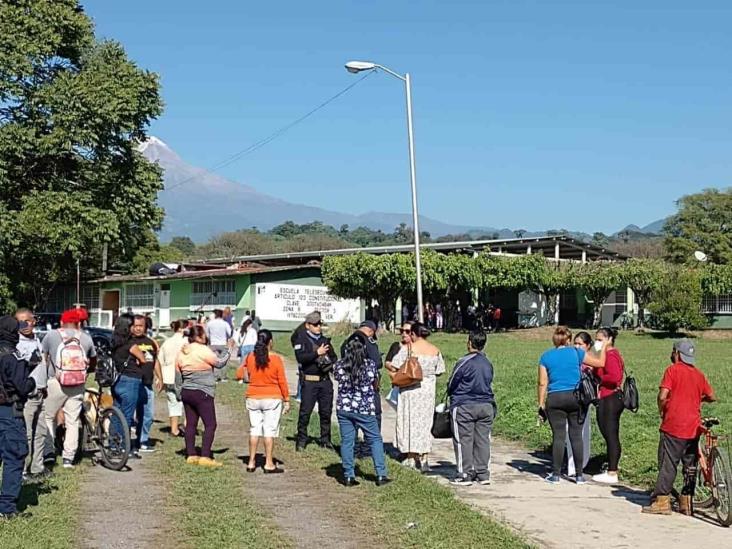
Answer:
(316, 357)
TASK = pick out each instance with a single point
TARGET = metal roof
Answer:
(569, 249)
(216, 272)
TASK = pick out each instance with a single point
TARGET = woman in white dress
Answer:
(416, 404)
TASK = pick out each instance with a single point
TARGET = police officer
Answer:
(316, 358)
(15, 386)
(366, 334)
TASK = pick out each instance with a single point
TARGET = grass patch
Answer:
(55, 518)
(210, 506)
(413, 511)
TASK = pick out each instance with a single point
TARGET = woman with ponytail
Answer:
(267, 397)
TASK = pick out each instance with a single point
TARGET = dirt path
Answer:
(305, 504)
(125, 509)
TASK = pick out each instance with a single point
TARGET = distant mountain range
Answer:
(201, 204)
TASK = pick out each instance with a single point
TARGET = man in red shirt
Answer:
(680, 395)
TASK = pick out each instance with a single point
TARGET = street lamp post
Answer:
(360, 66)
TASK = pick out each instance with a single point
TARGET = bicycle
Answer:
(103, 431)
(714, 474)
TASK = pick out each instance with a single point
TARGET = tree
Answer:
(703, 223)
(184, 244)
(370, 277)
(554, 278)
(154, 252)
(72, 111)
(598, 280)
(236, 243)
(600, 239)
(644, 277)
(676, 303)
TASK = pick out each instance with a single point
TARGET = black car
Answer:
(102, 338)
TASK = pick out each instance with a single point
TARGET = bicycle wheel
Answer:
(703, 497)
(113, 436)
(722, 477)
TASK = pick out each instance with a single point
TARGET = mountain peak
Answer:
(155, 149)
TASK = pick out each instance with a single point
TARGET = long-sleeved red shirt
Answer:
(611, 376)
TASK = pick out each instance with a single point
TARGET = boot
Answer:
(685, 507)
(659, 506)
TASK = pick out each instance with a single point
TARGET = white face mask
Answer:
(598, 345)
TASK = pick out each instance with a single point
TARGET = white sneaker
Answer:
(606, 478)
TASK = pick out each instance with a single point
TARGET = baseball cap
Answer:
(313, 318)
(369, 324)
(686, 349)
(71, 316)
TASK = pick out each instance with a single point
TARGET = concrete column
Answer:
(528, 249)
(398, 320)
(556, 251)
(584, 256)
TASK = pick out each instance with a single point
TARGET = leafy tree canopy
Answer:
(703, 223)
(72, 110)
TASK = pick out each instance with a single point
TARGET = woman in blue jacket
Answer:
(472, 409)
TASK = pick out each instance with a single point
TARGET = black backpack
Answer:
(107, 373)
(631, 396)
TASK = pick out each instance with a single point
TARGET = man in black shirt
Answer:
(316, 358)
(15, 386)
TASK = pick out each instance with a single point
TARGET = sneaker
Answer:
(606, 478)
(553, 479)
(192, 460)
(146, 449)
(134, 454)
(424, 466)
(49, 459)
(68, 464)
(461, 481)
(580, 479)
(208, 462)
(484, 482)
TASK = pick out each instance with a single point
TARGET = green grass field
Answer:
(515, 356)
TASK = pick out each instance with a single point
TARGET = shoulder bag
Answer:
(441, 420)
(409, 374)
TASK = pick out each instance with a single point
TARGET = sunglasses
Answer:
(316, 324)
(402, 331)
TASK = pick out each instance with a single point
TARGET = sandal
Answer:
(251, 469)
(272, 471)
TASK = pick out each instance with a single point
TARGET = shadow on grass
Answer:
(29, 494)
(335, 471)
(258, 460)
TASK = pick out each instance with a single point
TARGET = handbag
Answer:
(409, 374)
(441, 420)
(586, 391)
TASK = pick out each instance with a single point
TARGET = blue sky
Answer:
(528, 114)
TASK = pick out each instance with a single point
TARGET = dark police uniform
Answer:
(14, 390)
(316, 385)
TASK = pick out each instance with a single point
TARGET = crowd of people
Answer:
(42, 385)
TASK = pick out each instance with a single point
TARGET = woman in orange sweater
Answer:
(267, 397)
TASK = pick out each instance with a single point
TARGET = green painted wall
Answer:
(721, 322)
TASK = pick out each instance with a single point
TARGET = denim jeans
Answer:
(130, 397)
(349, 423)
(147, 414)
(13, 451)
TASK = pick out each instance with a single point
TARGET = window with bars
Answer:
(717, 304)
(213, 292)
(139, 296)
(90, 296)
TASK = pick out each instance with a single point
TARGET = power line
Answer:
(262, 142)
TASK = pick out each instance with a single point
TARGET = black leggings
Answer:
(562, 409)
(608, 419)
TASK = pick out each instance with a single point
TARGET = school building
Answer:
(282, 288)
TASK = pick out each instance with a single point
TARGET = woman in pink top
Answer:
(611, 402)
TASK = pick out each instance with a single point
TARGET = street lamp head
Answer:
(359, 66)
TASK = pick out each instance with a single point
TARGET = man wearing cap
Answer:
(35, 423)
(68, 398)
(366, 334)
(680, 395)
(316, 357)
(15, 386)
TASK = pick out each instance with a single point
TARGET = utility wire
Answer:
(262, 142)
